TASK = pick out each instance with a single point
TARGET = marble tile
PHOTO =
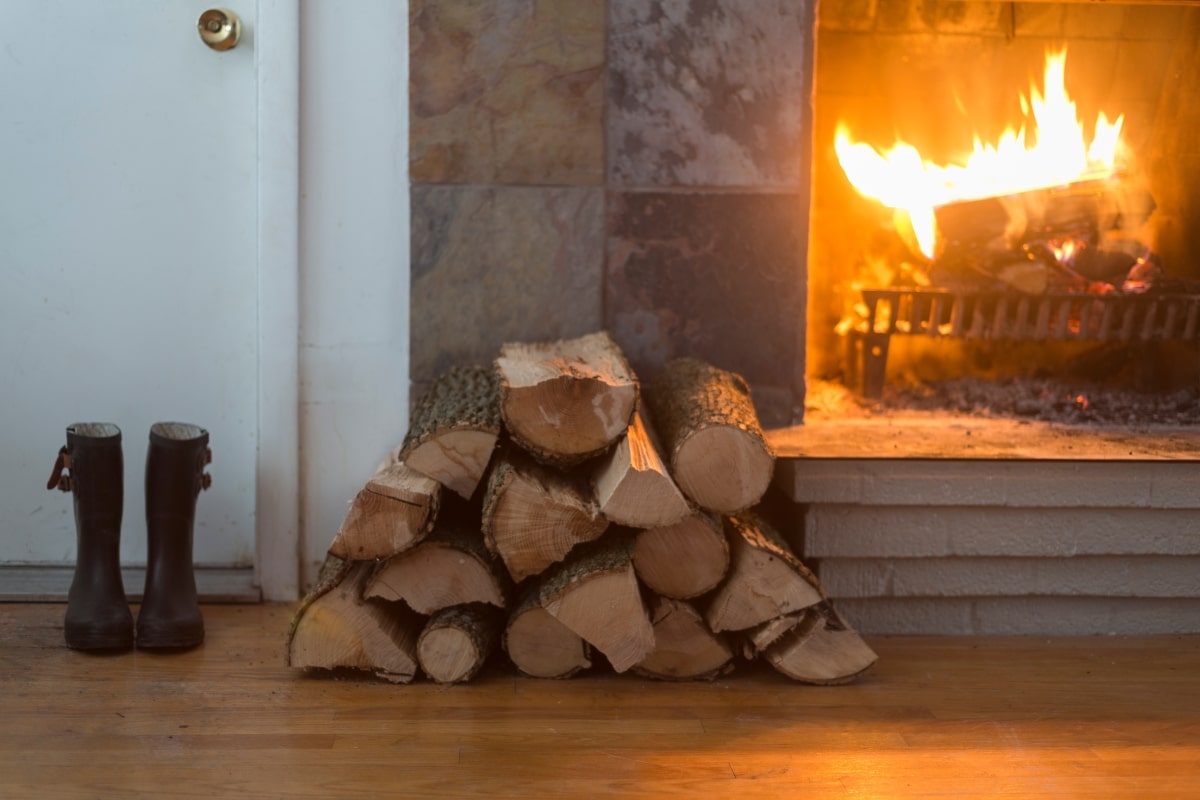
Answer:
(707, 93)
(718, 276)
(508, 92)
(498, 264)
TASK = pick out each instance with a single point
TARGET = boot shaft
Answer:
(175, 475)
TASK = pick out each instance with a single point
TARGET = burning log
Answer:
(454, 429)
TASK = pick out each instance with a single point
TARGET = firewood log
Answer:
(457, 641)
(566, 401)
(450, 567)
(335, 627)
(391, 513)
(821, 649)
(539, 645)
(454, 429)
(595, 593)
(684, 647)
(683, 560)
(632, 483)
(534, 515)
(766, 580)
(711, 435)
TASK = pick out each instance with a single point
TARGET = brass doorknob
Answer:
(219, 28)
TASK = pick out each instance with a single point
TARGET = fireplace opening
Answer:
(1070, 295)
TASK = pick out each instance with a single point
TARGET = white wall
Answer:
(354, 268)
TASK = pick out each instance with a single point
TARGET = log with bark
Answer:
(336, 628)
(684, 647)
(534, 515)
(450, 567)
(566, 401)
(820, 648)
(683, 560)
(394, 510)
(595, 593)
(454, 428)
(632, 484)
(711, 435)
(539, 645)
(457, 641)
(766, 580)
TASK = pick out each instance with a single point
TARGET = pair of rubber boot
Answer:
(91, 467)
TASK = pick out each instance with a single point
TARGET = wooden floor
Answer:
(950, 718)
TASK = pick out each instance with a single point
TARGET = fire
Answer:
(1059, 154)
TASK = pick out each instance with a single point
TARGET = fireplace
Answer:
(666, 171)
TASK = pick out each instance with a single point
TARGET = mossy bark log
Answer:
(454, 428)
(711, 435)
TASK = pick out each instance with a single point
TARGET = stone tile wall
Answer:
(635, 165)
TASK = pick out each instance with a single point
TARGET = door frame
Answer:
(277, 467)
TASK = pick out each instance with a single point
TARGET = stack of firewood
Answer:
(533, 508)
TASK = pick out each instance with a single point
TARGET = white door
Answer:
(128, 280)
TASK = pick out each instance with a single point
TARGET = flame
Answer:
(1060, 154)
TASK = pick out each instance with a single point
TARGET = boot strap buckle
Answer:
(57, 479)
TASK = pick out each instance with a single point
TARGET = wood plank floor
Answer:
(949, 717)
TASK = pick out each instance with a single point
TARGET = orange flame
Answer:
(902, 179)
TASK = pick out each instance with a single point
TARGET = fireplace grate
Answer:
(1063, 316)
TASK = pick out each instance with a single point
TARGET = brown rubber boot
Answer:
(98, 615)
(170, 618)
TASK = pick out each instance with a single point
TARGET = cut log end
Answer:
(723, 468)
(632, 484)
(684, 647)
(542, 647)
(437, 574)
(393, 511)
(456, 642)
(683, 560)
(455, 459)
(821, 650)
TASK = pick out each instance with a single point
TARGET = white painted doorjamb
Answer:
(277, 47)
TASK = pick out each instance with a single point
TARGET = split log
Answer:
(450, 567)
(336, 628)
(766, 580)
(566, 401)
(457, 641)
(454, 429)
(539, 645)
(756, 640)
(533, 516)
(684, 647)
(821, 649)
(711, 435)
(391, 513)
(632, 484)
(595, 593)
(683, 560)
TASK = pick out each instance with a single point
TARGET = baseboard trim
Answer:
(41, 584)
